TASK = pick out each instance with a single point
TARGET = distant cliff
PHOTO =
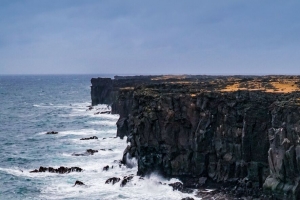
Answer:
(224, 129)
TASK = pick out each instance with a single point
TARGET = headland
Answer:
(236, 132)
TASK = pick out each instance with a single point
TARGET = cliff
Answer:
(225, 129)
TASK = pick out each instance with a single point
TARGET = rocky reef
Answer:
(221, 129)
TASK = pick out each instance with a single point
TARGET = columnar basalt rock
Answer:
(212, 128)
(213, 135)
(284, 152)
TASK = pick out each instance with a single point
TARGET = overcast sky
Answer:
(149, 37)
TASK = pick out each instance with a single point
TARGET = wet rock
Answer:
(122, 125)
(90, 138)
(202, 180)
(60, 170)
(78, 183)
(51, 133)
(106, 168)
(126, 179)
(180, 187)
(105, 112)
(112, 180)
(90, 108)
(87, 153)
(176, 186)
(91, 151)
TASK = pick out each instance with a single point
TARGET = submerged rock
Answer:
(102, 112)
(87, 153)
(51, 133)
(90, 138)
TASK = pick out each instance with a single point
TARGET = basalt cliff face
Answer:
(219, 129)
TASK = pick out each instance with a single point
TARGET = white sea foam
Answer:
(110, 150)
(103, 123)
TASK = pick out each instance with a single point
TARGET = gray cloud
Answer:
(149, 37)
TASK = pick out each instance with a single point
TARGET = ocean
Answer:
(32, 105)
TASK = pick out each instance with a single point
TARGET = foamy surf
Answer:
(65, 108)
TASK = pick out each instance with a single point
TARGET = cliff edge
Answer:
(220, 129)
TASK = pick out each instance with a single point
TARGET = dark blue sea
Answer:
(30, 106)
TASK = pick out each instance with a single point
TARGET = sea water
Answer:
(30, 106)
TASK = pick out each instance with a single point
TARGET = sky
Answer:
(218, 37)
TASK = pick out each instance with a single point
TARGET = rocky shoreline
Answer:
(239, 134)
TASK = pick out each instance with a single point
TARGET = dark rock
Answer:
(90, 138)
(112, 180)
(180, 187)
(87, 153)
(126, 179)
(51, 133)
(202, 180)
(91, 151)
(122, 126)
(90, 108)
(78, 183)
(194, 126)
(105, 112)
(176, 186)
(106, 168)
(102, 112)
(60, 170)
(187, 198)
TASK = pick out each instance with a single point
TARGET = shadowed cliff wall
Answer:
(183, 131)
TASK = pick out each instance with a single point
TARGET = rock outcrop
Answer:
(60, 170)
(90, 138)
(223, 129)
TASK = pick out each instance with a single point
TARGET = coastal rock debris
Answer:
(87, 153)
(112, 180)
(78, 183)
(106, 168)
(90, 138)
(126, 179)
(52, 132)
(103, 112)
(60, 170)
